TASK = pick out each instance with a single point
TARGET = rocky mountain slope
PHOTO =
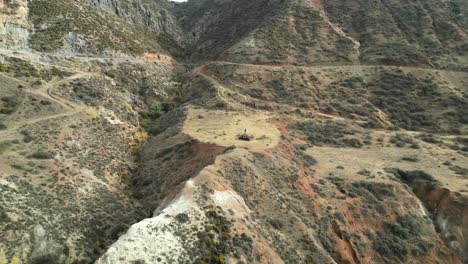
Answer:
(429, 33)
(120, 124)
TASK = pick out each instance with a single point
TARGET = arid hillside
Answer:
(219, 131)
(303, 32)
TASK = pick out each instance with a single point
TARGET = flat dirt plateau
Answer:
(223, 128)
(127, 161)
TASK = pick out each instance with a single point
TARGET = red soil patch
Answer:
(158, 58)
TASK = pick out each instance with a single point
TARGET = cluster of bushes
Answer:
(406, 99)
(411, 176)
(328, 242)
(460, 112)
(22, 68)
(4, 68)
(12, 4)
(410, 158)
(399, 54)
(400, 239)
(455, 6)
(27, 137)
(54, 19)
(307, 159)
(459, 170)
(4, 146)
(85, 90)
(287, 88)
(371, 194)
(330, 133)
(402, 140)
(410, 102)
(347, 97)
(8, 104)
(396, 32)
(416, 103)
(429, 138)
(282, 91)
(157, 109)
(42, 155)
(378, 190)
(304, 157)
(216, 241)
(464, 142)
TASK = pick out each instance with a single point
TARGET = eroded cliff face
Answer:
(90, 27)
(448, 208)
(153, 15)
(14, 25)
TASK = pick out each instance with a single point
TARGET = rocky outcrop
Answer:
(449, 209)
(103, 27)
(14, 25)
(304, 32)
(206, 222)
(153, 15)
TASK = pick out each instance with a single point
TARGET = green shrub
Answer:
(220, 104)
(365, 190)
(399, 54)
(407, 100)
(9, 103)
(410, 158)
(331, 133)
(157, 107)
(4, 68)
(7, 110)
(404, 233)
(411, 176)
(455, 6)
(429, 138)
(167, 106)
(26, 136)
(459, 170)
(182, 218)
(42, 155)
(276, 223)
(402, 140)
(4, 146)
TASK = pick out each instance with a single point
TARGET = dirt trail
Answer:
(331, 66)
(222, 90)
(41, 58)
(12, 130)
(46, 91)
(13, 79)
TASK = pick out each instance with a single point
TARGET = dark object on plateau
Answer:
(244, 136)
